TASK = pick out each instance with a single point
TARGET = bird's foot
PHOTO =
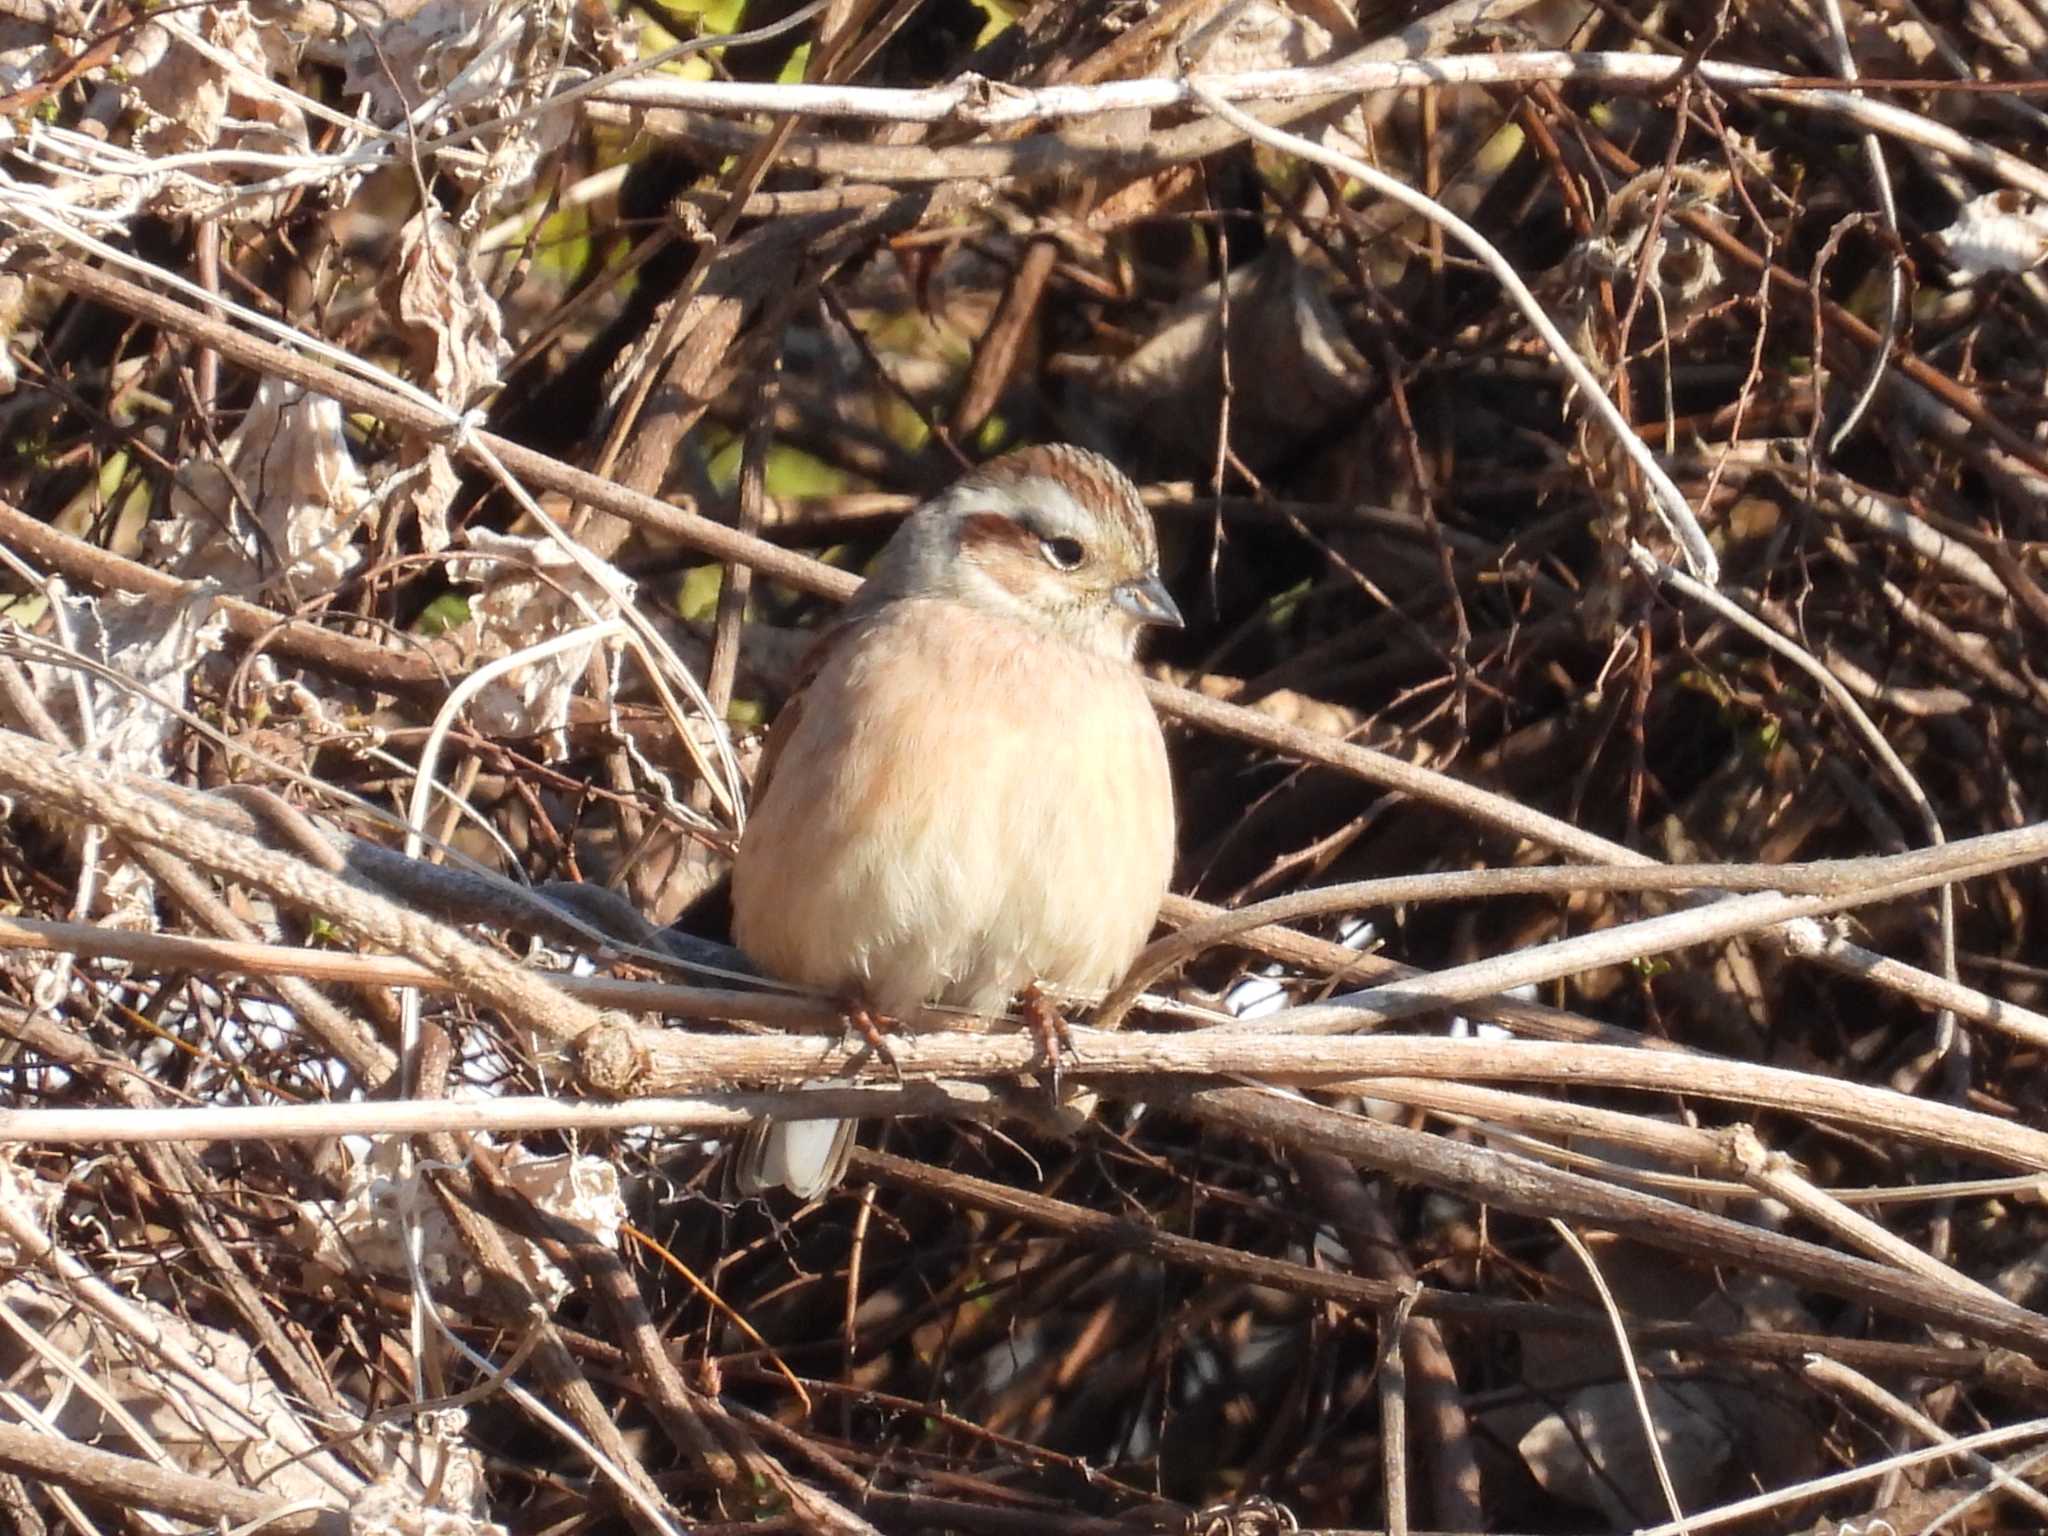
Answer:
(1049, 1027)
(863, 1021)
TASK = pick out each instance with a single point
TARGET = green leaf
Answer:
(448, 611)
(1000, 19)
(698, 598)
(1281, 607)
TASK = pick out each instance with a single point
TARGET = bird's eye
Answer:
(1063, 553)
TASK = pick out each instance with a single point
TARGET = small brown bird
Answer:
(967, 799)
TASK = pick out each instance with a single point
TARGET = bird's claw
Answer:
(1049, 1027)
(863, 1021)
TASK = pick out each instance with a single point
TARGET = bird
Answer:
(967, 799)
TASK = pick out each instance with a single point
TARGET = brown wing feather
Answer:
(783, 729)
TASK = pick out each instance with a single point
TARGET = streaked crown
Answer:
(1052, 535)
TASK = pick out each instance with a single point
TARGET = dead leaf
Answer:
(442, 311)
(281, 510)
(1268, 35)
(455, 332)
(1292, 367)
(191, 99)
(532, 589)
(2004, 231)
(1595, 1452)
(402, 53)
(363, 1233)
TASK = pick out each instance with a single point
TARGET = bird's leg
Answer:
(862, 1020)
(1049, 1027)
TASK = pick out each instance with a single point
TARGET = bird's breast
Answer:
(965, 806)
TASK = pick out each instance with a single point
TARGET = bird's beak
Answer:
(1147, 602)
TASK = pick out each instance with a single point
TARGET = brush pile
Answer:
(1591, 1072)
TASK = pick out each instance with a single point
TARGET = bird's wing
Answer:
(784, 728)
